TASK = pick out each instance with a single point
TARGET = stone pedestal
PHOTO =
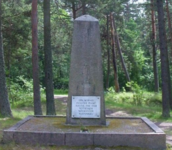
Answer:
(86, 75)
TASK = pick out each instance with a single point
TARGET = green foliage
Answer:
(131, 26)
(137, 93)
(138, 63)
(154, 99)
(112, 97)
(17, 37)
(21, 92)
(60, 82)
(61, 37)
(138, 97)
(60, 91)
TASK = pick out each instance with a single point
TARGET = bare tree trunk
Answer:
(120, 53)
(5, 109)
(108, 54)
(35, 61)
(170, 29)
(165, 72)
(73, 10)
(117, 89)
(83, 7)
(9, 56)
(9, 48)
(155, 68)
(169, 25)
(48, 61)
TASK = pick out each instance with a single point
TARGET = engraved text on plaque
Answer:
(85, 106)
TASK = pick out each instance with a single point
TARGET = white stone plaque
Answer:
(85, 106)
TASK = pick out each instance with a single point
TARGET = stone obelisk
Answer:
(86, 95)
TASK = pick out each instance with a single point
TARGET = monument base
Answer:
(80, 123)
(122, 131)
(87, 122)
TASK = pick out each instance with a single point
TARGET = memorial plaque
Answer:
(85, 106)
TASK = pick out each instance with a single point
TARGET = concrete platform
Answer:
(122, 131)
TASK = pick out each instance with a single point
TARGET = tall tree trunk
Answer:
(35, 61)
(155, 68)
(5, 109)
(120, 52)
(9, 56)
(108, 54)
(74, 10)
(83, 7)
(165, 72)
(117, 89)
(48, 61)
(170, 30)
(169, 25)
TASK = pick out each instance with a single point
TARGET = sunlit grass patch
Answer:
(149, 105)
(61, 91)
(22, 113)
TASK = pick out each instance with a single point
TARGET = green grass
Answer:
(150, 105)
(22, 113)
(60, 92)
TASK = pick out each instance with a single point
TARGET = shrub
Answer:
(61, 91)
(137, 93)
(21, 92)
(137, 97)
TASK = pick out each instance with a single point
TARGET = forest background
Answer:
(130, 46)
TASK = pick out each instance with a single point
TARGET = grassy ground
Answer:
(146, 104)
(149, 106)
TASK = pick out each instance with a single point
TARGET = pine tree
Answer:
(165, 73)
(48, 61)
(5, 109)
(35, 63)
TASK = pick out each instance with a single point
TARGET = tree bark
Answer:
(155, 68)
(5, 109)
(120, 53)
(48, 61)
(170, 30)
(117, 89)
(108, 54)
(169, 25)
(73, 10)
(165, 72)
(83, 7)
(35, 61)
